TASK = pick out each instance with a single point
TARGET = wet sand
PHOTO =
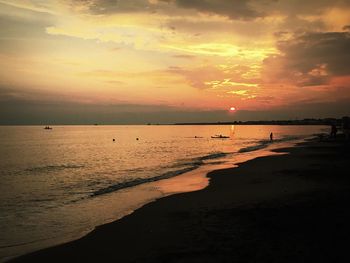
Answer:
(283, 208)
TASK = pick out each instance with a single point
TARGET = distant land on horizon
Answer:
(307, 121)
(325, 121)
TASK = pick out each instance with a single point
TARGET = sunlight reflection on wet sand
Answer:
(197, 179)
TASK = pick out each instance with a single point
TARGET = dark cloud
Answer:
(184, 56)
(115, 6)
(239, 9)
(19, 112)
(312, 58)
(302, 7)
(17, 108)
(245, 10)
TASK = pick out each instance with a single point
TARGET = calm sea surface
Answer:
(56, 185)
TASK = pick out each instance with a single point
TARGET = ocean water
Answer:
(58, 184)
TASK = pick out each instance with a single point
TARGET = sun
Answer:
(232, 108)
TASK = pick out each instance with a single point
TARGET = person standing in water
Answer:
(334, 131)
(271, 136)
(346, 127)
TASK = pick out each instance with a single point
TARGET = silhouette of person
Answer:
(334, 131)
(271, 136)
(346, 127)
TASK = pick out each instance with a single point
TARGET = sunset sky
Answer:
(138, 61)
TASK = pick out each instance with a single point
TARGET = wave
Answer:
(256, 147)
(265, 143)
(139, 181)
(212, 156)
(50, 168)
(189, 166)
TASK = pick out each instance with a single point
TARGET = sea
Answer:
(58, 184)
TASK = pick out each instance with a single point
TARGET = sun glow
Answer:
(232, 109)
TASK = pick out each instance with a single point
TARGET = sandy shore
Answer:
(284, 208)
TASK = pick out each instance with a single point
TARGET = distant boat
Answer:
(220, 137)
(48, 128)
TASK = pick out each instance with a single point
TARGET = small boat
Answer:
(220, 137)
(48, 128)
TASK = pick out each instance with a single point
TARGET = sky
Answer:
(165, 61)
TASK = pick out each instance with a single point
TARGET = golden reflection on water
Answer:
(232, 131)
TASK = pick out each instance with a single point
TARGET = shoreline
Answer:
(193, 180)
(165, 226)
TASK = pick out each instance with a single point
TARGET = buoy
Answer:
(137, 139)
(114, 140)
